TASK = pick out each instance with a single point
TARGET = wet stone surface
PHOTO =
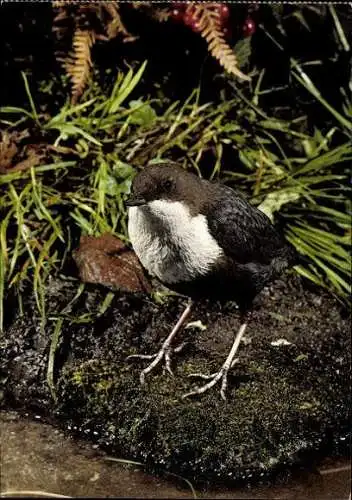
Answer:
(288, 402)
(38, 458)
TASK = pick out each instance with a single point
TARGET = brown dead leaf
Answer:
(8, 151)
(33, 159)
(107, 261)
(15, 156)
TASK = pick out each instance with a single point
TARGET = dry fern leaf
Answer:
(141, 5)
(58, 4)
(78, 66)
(60, 16)
(60, 22)
(115, 25)
(208, 21)
(108, 24)
(161, 15)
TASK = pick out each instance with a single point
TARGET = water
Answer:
(37, 459)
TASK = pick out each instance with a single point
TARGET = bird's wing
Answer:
(244, 232)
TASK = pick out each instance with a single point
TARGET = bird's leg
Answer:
(165, 350)
(222, 373)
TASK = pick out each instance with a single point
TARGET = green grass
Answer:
(97, 146)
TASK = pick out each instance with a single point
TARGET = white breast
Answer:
(170, 243)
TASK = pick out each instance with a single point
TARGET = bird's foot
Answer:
(165, 353)
(214, 378)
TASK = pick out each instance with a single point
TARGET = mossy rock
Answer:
(287, 404)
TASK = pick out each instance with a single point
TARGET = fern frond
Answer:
(141, 5)
(209, 26)
(161, 15)
(60, 16)
(79, 64)
(60, 3)
(115, 25)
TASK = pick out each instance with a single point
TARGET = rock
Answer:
(287, 404)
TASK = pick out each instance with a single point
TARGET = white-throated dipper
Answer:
(204, 240)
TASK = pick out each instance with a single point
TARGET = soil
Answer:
(288, 400)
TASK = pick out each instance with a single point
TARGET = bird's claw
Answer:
(201, 375)
(140, 356)
(213, 379)
(165, 352)
(222, 374)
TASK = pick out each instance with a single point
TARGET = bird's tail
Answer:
(289, 257)
(294, 258)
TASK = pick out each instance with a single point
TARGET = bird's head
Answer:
(164, 184)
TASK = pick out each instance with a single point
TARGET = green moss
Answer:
(264, 425)
(279, 412)
(77, 378)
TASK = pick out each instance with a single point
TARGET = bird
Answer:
(202, 239)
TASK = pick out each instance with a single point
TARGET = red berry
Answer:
(196, 26)
(227, 32)
(224, 11)
(189, 19)
(177, 14)
(249, 27)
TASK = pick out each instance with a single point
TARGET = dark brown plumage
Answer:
(180, 215)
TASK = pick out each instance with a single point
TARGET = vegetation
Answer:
(99, 397)
(102, 21)
(67, 173)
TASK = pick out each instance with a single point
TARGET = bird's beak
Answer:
(135, 202)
